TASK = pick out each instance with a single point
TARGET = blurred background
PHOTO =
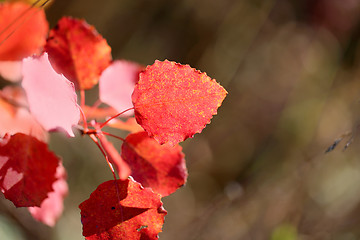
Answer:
(259, 170)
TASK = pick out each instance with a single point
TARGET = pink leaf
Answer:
(117, 83)
(52, 207)
(51, 97)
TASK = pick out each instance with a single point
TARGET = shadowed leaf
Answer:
(120, 210)
(27, 170)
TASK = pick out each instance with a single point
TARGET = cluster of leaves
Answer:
(161, 105)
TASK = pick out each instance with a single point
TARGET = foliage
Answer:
(171, 102)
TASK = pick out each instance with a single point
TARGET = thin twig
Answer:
(114, 136)
(107, 121)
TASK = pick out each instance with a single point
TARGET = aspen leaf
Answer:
(23, 38)
(78, 51)
(117, 83)
(52, 207)
(122, 210)
(51, 97)
(161, 167)
(15, 117)
(27, 170)
(173, 102)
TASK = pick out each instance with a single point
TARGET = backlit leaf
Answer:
(52, 207)
(161, 167)
(117, 84)
(27, 170)
(24, 37)
(122, 210)
(52, 98)
(173, 101)
(78, 51)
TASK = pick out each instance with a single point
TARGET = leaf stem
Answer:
(95, 137)
(83, 116)
(82, 98)
(114, 136)
(96, 104)
(115, 116)
(96, 141)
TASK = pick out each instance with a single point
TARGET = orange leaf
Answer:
(129, 125)
(15, 116)
(173, 102)
(78, 51)
(26, 36)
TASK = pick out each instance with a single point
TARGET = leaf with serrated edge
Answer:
(27, 170)
(173, 102)
(117, 83)
(52, 98)
(52, 207)
(122, 210)
(78, 51)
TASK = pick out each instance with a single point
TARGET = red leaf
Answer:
(78, 51)
(29, 33)
(27, 170)
(125, 211)
(173, 101)
(52, 207)
(117, 83)
(161, 167)
(52, 98)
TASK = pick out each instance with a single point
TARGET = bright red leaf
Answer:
(117, 83)
(27, 170)
(122, 211)
(78, 51)
(52, 207)
(161, 167)
(173, 101)
(26, 36)
(52, 98)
